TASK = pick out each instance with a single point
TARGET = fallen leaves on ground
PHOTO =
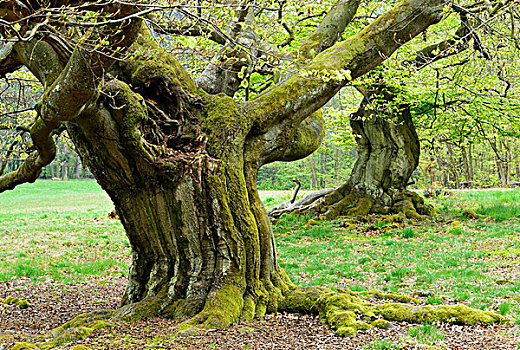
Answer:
(52, 304)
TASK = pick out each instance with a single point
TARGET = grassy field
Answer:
(60, 231)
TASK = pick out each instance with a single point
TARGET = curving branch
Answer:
(299, 96)
(445, 48)
(70, 88)
(287, 143)
(7, 63)
(14, 127)
(310, 132)
(195, 29)
(331, 28)
(223, 77)
(41, 135)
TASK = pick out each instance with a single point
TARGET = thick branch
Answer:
(223, 77)
(7, 63)
(198, 29)
(300, 96)
(306, 140)
(288, 142)
(69, 89)
(277, 143)
(331, 28)
(41, 134)
(445, 48)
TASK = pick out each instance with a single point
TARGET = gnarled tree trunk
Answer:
(181, 164)
(172, 159)
(388, 153)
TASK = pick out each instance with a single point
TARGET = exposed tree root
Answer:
(346, 200)
(345, 311)
(348, 312)
(77, 329)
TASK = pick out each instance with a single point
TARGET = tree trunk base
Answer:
(223, 307)
(348, 201)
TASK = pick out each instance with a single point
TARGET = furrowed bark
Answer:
(202, 243)
(388, 153)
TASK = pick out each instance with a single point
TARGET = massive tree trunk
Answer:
(172, 159)
(388, 153)
(181, 164)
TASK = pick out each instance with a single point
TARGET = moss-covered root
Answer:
(228, 304)
(25, 346)
(412, 206)
(22, 304)
(29, 346)
(221, 309)
(147, 308)
(352, 202)
(349, 312)
(345, 201)
(77, 329)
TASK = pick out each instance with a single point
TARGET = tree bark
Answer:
(56, 162)
(470, 162)
(451, 166)
(77, 168)
(188, 201)
(314, 177)
(323, 179)
(466, 166)
(51, 170)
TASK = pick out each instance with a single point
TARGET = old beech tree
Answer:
(179, 157)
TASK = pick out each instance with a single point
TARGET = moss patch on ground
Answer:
(77, 329)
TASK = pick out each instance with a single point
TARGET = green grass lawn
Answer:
(448, 259)
(60, 231)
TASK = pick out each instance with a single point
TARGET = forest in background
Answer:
(449, 158)
(488, 159)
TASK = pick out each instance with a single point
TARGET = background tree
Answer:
(401, 92)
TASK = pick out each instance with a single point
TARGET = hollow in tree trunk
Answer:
(176, 173)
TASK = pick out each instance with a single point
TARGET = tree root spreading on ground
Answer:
(346, 200)
(345, 311)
